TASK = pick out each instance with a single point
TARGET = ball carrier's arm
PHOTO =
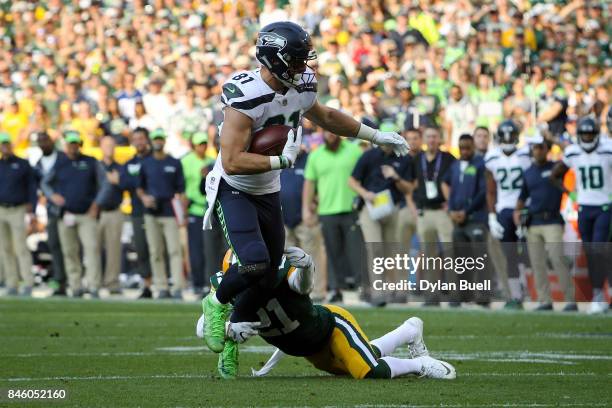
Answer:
(235, 135)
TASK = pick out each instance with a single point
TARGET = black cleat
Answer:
(163, 294)
(146, 294)
(544, 307)
(570, 307)
(335, 297)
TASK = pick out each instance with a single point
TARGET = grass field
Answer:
(128, 354)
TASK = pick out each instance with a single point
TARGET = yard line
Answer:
(508, 405)
(205, 376)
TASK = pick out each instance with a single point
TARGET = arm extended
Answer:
(342, 124)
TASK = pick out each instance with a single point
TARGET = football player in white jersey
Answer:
(591, 159)
(505, 164)
(243, 187)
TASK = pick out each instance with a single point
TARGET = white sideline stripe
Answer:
(160, 351)
(559, 374)
(364, 348)
(108, 377)
(196, 376)
(508, 405)
(528, 354)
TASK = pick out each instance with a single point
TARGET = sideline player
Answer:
(243, 187)
(328, 336)
(505, 165)
(591, 159)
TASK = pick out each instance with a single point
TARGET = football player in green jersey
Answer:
(328, 336)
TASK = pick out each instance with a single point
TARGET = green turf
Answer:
(517, 359)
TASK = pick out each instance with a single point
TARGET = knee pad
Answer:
(254, 259)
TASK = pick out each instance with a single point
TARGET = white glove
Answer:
(392, 139)
(292, 147)
(241, 331)
(298, 258)
(497, 230)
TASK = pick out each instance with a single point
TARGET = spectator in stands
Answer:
(459, 116)
(195, 168)
(482, 140)
(161, 190)
(552, 106)
(112, 123)
(43, 167)
(127, 96)
(17, 200)
(129, 181)
(110, 224)
(73, 185)
(14, 120)
(327, 171)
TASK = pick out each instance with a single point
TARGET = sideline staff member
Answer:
(73, 184)
(17, 198)
(434, 224)
(161, 180)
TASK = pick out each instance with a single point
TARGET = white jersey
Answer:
(508, 174)
(248, 93)
(593, 172)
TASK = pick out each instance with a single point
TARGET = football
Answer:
(270, 140)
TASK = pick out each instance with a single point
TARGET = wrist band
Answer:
(366, 133)
(278, 162)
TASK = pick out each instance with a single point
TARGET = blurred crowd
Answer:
(99, 72)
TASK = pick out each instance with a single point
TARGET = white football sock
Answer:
(515, 288)
(388, 343)
(402, 366)
(598, 295)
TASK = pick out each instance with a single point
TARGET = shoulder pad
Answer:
(244, 91)
(523, 151)
(572, 150)
(492, 154)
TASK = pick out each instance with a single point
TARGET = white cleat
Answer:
(432, 368)
(417, 347)
(598, 308)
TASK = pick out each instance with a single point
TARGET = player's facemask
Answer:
(508, 148)
(588, 141)
(296, 68)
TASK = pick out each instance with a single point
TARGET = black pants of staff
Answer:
(140, 244)
(55, 247)
(345, 248)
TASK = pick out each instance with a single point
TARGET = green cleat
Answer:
(228, 361)
(215, 315)
(514, 304)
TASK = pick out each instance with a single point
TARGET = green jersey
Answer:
(329, 171)
(192, 170)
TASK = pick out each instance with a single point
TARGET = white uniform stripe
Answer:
(364, 348)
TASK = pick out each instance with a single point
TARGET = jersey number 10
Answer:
(591, 177)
